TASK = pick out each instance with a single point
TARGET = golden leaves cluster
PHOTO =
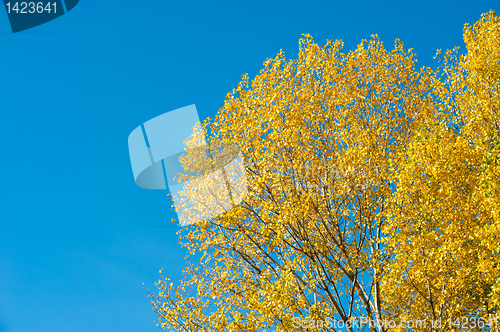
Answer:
(444, 216)
(373, 191)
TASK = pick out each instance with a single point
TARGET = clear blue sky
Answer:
(75, 236)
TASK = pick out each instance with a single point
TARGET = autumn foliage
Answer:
(373, 194)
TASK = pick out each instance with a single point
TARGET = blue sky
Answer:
(75, 236)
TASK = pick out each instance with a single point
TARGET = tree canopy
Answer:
(372, 195)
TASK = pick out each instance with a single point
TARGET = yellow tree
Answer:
(371, 194)
(444, 216)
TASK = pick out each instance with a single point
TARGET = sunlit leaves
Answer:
(373, 191)
(444, 216)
